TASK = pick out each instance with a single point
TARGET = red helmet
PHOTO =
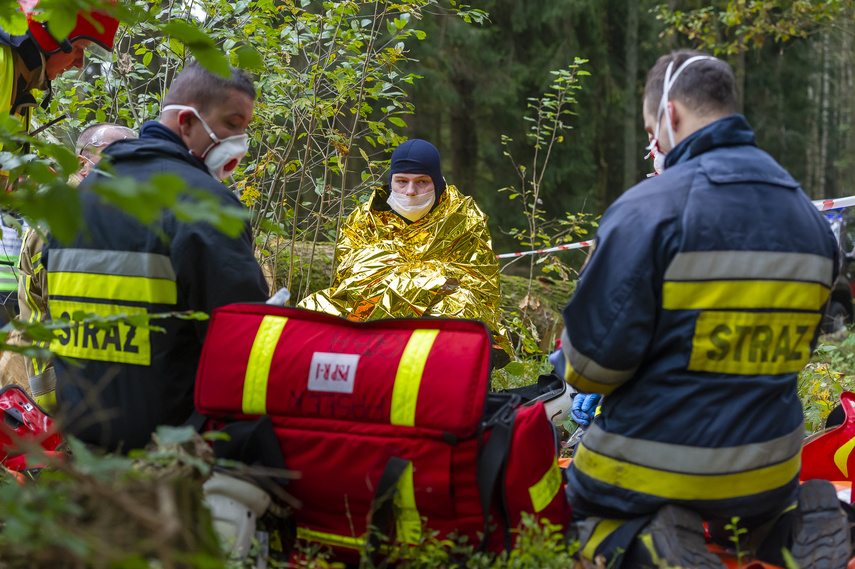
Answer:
(83, 29)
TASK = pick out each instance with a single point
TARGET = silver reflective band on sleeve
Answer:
(591, 370)
(43, 383)
(750, 265)
(694, 460)
(119, 263)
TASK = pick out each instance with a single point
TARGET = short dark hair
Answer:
(93, 136)
(198, 87)
(706, 86)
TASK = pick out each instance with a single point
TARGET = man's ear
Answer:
(675, 110)
(184, 119)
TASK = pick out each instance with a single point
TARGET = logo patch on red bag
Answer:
(333, 372)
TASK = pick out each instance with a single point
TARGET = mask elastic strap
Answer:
(198, 116)
(666, 89)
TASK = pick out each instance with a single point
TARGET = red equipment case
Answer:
(382, 411)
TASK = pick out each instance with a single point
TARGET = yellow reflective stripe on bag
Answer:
(546, 488)
(408, 379)
(113, 287)
(408, 522)
(258, 366)
(331, 539)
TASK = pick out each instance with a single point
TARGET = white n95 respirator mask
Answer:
(223, 155)
(412, 208)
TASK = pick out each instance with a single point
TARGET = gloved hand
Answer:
(584, 407)
(556, 358)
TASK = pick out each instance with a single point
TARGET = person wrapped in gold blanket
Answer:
(419, 248)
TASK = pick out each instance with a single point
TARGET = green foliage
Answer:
(830, 373)
(539, 545)
(548, 118)
(109, 511)
(523, 371)
(727, 27)
(736, 534)
(548, 125)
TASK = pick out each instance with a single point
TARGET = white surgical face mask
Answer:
(223, 155)
(658, 160)
(663, 108)
(412, 208)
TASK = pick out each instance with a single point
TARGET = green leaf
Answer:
(397, 121)
(85, 461)
(216, 436)
(515, 368)
(249, 58)
(62, 14)
(66, 158)
(14, 24)
(177, 47)
(201, 45)
(211, 59)
(174, 435)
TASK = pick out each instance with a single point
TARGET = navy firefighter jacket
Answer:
(699, 306)
(125, 380)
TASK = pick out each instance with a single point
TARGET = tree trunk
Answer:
(845, 102)
(630, 133)
(814, 86)
(464, 136)
(823, 145)
(740, 79)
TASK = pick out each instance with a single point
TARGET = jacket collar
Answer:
(732, 130)
(154, 143)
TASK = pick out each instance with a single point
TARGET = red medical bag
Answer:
(23, 421)
(388, 422)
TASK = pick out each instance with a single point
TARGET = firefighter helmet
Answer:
(96, 26)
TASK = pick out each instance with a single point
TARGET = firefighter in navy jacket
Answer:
(29, 63)
(697, 309)
(133, 379)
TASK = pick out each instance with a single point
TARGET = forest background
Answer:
(469, 80)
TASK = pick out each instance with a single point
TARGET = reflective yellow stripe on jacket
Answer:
(107, 283)
(759, 309)
(678, 472)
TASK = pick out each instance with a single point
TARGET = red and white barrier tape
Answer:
(578, 245)
(821, 205)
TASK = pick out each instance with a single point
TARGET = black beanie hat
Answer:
(417, 156)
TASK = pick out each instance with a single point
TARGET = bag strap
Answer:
(196, 420)
(492, 466)
(382, 512)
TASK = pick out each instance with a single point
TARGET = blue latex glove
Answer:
(584, 407)
(556, 358)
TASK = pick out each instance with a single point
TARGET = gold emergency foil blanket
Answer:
(441, 265)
